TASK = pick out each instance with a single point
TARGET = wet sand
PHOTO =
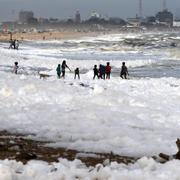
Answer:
(47, 35)
(18, 147)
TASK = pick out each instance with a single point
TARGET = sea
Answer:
(146, 54)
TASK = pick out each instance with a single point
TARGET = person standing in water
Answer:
(124, 71)
(108, 70)
(101, 71)
(58, 70)
(96, 71)
(15, 67)
(63, 68)
(76, 72)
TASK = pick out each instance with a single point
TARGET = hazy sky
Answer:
(66, 8)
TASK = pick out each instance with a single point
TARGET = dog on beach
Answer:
(43, 76)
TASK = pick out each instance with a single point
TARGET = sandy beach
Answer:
(46, 35)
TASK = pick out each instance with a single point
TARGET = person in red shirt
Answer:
(108, 70)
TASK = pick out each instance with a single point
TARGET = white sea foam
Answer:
(143, 169)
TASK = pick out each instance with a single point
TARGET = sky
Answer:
(66, 8)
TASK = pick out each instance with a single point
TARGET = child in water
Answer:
(58, 70)
(76, 72)
(15, 67)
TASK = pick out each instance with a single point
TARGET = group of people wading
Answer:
(61, 70)
(103, 72)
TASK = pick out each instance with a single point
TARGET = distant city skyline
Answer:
(64, 9)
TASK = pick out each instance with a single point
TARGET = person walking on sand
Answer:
(63, 68)
(76, 73)
(15, 67)
(124, 71)
(58, 70)
(96, 71)
(108, 70)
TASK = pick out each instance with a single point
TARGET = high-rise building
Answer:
(165, 17)
(25, 16)
(78, 17)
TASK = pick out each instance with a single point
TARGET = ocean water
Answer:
(146, 55)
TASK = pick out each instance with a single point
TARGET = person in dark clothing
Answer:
(95, 72)
(76, 72)
(108, 70)
(124, 71)
(101, 71)
(58, 70)
(15, 67)
(12, 44)
(63, 68)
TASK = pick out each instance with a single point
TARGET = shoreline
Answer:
(5, 37)
(72, 34)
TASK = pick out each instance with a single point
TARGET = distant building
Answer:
(32, 21)
(54, 20)
(43, 20)
(95, 18)
(77, 17)
(117, 21)
(25, 16)
(176, 23)
(135, 22)
(165, 17)
(151, 19)
(95, 15)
